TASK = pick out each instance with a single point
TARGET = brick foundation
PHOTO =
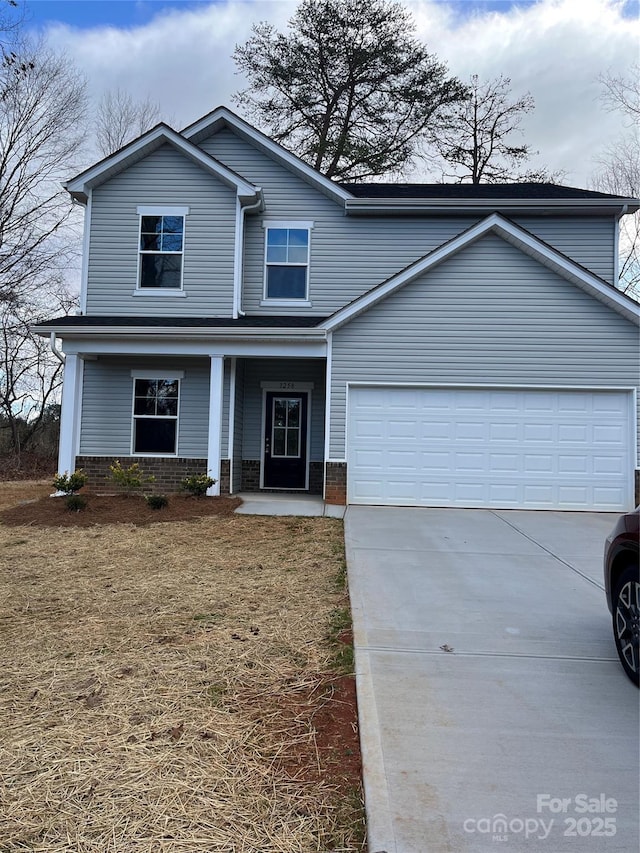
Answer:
(225, 476)
(168, 473)
(336, 483)
(250, 481)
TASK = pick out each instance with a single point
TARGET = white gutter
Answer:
(238, 262)
(52, 344)
(430, 205)
(209, 333)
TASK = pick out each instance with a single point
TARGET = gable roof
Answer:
(222, 117)
(511, 233)
(146, 144)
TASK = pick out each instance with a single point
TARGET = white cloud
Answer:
(553, 48)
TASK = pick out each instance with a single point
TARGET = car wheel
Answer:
(626, 621)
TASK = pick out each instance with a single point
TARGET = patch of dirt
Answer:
(330, 712)
(113, 509)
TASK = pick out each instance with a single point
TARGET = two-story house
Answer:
(437, 345)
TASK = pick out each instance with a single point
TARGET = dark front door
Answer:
(285, 441)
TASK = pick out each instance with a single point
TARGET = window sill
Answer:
(159, 291)
(154, 455)
(286, 303)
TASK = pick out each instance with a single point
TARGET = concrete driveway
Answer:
(494, 714)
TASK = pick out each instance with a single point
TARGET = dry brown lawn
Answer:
(159, 687)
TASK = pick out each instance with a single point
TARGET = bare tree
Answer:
(30, 378)
(478, 143)
(618, 171)
(42, 108)
(120, 118)
(623, 92)
(349, 88)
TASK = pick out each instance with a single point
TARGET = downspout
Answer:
(616, 246)
(239, 265)
(54, 349)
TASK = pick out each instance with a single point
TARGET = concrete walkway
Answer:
(274, 503)
(494, 714)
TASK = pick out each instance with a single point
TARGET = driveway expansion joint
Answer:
(514, 527)
(460, 654)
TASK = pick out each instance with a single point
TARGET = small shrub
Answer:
(130, 479)
(70, 483)
(197, 484)
(76, 503)
(157, 501)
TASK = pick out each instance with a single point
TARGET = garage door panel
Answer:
(607, 465)
(607, 434)
(490, 448)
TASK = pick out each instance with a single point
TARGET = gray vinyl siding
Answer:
(280, 370)
(108, 400)
(349, 255)
(489, 314)
(165, 177)
(588, 240)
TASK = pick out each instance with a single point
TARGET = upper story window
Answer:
(161, 247)
(287, 260)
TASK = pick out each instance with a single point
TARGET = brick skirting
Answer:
(250, 481)
(168, 473)
(336, 484)
(225, 476)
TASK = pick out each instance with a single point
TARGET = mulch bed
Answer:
(115, 509)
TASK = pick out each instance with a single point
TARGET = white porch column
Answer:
(215, 421)
(70, 414)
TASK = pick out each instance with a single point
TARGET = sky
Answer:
(178, 54)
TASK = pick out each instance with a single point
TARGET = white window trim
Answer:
(159, 291)
(160, 210)
(286, 303)
(171, 376)
(302, 225)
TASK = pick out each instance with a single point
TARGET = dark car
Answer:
(622, 584)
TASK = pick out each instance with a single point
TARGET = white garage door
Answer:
(490, 448)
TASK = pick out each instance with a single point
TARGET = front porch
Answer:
(255, 425)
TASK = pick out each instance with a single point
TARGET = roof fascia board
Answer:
(178, 332)
(363, 206)
(224, 117)
(514, 235)
(78, 187)
(243, 347)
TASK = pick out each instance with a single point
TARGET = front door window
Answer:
(285, 439)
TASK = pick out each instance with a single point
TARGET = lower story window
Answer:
(155, 415)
